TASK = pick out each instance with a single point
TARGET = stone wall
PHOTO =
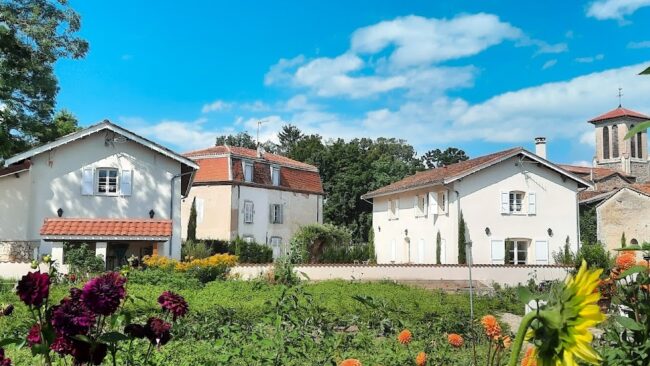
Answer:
(625, 212)
(640, 171)
(17, 251)
(610, 183)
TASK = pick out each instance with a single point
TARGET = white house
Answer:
(518, 208)
(104, 186)
(254, 195)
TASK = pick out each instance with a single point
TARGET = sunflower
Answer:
(560, 332)
(421, 359)
(405, 336)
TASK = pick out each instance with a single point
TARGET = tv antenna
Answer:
(259, 123)
(620, 96)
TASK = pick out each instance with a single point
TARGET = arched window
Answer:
(632, 145)
(634, 242)
(639, 145)
(615, 141)
(605, 142)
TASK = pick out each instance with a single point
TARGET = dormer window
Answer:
(248, 171)
(275, 175)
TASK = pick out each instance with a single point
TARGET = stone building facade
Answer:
(625, 212)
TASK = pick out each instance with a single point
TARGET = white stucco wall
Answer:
(298, 209)
(55, 182)
(479, 198)
(14, 206)
(556, 208)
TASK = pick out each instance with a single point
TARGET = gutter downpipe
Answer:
(171, 205)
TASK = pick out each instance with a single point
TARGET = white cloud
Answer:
(420, 41)
(614, 9)
(590, 59)
(584, 163)
(217, 105)
(549, 64)
(588, 138)
(179, 135)
(281, 72)
(642, 44)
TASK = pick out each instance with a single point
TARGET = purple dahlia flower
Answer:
(33, 288)
(157, 331)
(102, 295)
(71, 317)
(174, 304)
(34, 335)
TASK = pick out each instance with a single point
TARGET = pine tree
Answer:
(623, 241)
(438, 247)
(462, 255)
(191, 224)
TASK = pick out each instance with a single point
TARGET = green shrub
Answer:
(596, 256)
(310, 241)
(81, 260)
(348, 254)
(250, 252)
(565, 256)
(167, 278)
(195, 250)
(205, 274)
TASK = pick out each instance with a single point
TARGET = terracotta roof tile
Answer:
(438, 175)
(248, 153)
(589, 195)
(645, 188)
(599, 173)
(618, 112)
(106, 227)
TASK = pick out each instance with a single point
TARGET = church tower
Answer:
(614, 151)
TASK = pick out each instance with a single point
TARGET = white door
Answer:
(541, 252)
(421, 251)
(276, 245)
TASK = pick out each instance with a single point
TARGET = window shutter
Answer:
(541, 252)
(397, 208)
(271, 215)
(505, 202)
(532, 203)
(125, 183)
(87, 182)
(280, 213)
(433, 203)
(444, 205)
(498, 251)
(199, 210)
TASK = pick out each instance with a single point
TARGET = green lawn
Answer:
(256, 323)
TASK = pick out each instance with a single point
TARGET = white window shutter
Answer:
(505, 202)
(199, 210)
(126, 187)
(433, 203)
(87, 182)
(541, 252)
(281, 213)
(498, 251)
(532, 203)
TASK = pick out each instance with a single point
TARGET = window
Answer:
(516, 200)
(393, 209)
(248, 171)
(639, 145)
(605, 142)
(275, 175)
(276, 246)
(632, 145)
(421, 205)
(249, 239)
(248, 212)
(442, 202)
(276, 214)
(107, 181)
(516, 251)
(615, 141)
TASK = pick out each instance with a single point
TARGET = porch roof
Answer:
(106, 229)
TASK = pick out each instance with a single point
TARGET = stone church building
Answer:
(621, 179)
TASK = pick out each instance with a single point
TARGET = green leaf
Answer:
(113, 337)
(8, 341)
(633, 270)
(524, 294)
(638, 128)
(629, 323)
(83, 338)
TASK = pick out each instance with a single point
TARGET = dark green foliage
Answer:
(310, 242)
(289, 136)
(462, 229)
(241, 139)
(34, 35)
(596, 256)
(81, 260)
(348, 253)
(565, 256)
(205, 274)
(195, 250)
(191, 224)
(438, 159)
(623, 241)
(438, 247)
(588, 225)
(250, 252)
(166, 278)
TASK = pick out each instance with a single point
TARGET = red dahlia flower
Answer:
(4, 361)
(71, 317)
(157, 331)
(174, 304)
(62, 345)
(33, 288)
(34, 335)
(102, 295)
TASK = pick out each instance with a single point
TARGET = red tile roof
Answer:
(106, 227)
(15, 168)
(599, 173)
(644, 188)
(438, 175)
(248, 153)
(593, 196)
(294, 175)
(618, 112)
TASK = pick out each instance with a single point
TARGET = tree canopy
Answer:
(241, 139)
(34, 34)
(438, 159)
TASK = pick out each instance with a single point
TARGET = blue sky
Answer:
(480, 75)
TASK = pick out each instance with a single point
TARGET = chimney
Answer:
(540, 147)
(260, 151)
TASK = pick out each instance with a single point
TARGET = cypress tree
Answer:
(462, 256)
(191, 224)
(438, 245)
